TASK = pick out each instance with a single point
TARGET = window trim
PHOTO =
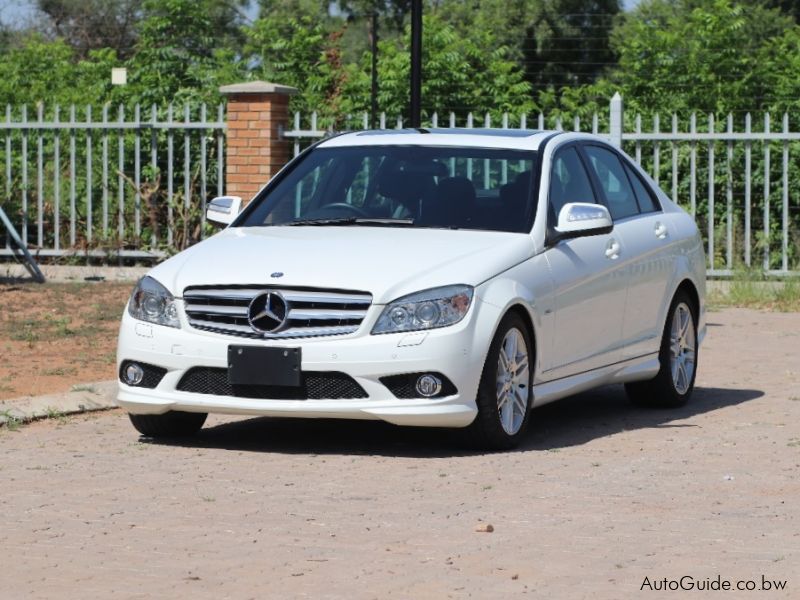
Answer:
(626, 166)
(552, 218)
(630, 170)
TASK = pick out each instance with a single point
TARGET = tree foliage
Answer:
(562, 56)
(460, 74)
(706, 55)
(92, 24)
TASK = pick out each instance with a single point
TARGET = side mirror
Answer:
(578, 219)
(224, 209)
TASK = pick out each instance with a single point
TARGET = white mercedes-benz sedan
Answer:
(439, 277)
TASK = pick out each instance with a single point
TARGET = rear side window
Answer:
(614, 181)
(643, 195)
(569, 181)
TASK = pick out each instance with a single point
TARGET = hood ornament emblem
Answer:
(268, 312)
(276, 274)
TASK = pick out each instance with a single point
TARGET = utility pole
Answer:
(416, 63)
(374, 91)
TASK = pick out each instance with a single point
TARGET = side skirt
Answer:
(635, 369)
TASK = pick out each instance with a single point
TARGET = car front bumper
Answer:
(458, 352)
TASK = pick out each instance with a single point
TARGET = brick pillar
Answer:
(255, 151)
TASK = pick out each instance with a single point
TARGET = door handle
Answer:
(660, 230)
(612, 249)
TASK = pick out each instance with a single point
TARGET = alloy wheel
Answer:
(682, 346)
(513, 376)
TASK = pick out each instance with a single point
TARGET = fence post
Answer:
(257, 113)
(615, 120)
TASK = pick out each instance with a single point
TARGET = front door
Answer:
(639, 220)
(590, 281)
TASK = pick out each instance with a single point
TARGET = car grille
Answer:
(316, 385)
(311, 312)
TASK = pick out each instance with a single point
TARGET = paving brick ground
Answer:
(600, 497)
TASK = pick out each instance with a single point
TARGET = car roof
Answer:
(516, 139)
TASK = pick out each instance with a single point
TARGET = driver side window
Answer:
(569, 182)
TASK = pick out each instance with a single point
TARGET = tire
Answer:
(170, 424)
(674, 383)
(505, 392)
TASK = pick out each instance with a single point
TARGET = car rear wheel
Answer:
(170, 424)
(674, 383)
(504, 393)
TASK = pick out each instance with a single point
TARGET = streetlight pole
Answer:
(416, 63)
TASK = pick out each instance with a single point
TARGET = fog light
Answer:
(428, 385)
(134, 374)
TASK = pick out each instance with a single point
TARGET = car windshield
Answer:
(403, 186)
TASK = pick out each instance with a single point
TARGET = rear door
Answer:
(638, 220)
(589, 280)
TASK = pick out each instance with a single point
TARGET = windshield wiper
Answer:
(368, 221)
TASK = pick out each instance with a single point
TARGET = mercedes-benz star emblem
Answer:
(267, 312)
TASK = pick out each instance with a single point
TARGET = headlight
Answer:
(152, 302)
(438, 307)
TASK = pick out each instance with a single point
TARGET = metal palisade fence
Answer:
(742, 186)
(132, 183)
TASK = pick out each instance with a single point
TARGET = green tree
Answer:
(302, 53)
(705, 55)
(179, 56)
(460, 74)
(789, 7)
(41, 71)
(92, 24)
(559, 42)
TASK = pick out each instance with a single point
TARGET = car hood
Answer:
(388, 262)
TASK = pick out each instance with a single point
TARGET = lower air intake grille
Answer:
(316, 385)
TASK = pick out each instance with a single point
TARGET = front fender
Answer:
(534, 297)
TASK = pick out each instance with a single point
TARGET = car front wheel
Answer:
(504, 393)
(674, 383)
(170, 424)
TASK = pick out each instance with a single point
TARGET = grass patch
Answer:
(60, 371)
(106, 312)
(25, 330)
(58, 327)
(83, 388)
(750, 291)
(54, 413)
(10, 421)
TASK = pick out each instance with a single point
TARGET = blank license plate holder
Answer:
(256, 365)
